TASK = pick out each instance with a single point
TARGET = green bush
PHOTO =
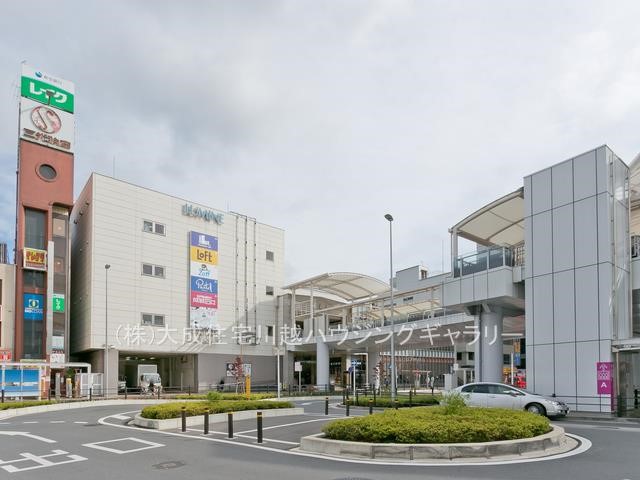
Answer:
(214, 396)
(453, 403)
(434, 425)
(24, 404)
(173, 410)
(416, 400)
(224, 396)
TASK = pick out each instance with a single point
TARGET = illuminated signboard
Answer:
(47, 89)
(203, 280)
(46, 126)
(33, 306)
(34, 259)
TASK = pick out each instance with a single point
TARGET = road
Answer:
(96, 443)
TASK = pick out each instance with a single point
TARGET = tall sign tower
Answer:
(44, 201)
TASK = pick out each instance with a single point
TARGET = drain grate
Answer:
(169, 465)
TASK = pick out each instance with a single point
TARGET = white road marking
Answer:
(100, 445)
(29, 423)
(121, 417)
(41, 460)
(283, 425)
(82, 422)
(305, 404)
(584, 446)
(27, 434)
(57, 421)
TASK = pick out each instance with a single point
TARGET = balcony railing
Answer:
(487, 259)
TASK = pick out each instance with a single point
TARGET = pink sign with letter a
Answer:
(605, 381)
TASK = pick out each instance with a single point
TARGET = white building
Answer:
(186, 287)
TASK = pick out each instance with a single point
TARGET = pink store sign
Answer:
(605, 377)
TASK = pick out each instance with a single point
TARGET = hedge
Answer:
(385, 401)
(24, 404)
(173, 410)
(226, 396)
(432, 425)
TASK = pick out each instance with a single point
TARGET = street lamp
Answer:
(106, 331)
(393, 325)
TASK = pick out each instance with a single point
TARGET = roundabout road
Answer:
(97, 443)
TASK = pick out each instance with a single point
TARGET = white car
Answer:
(499, 395)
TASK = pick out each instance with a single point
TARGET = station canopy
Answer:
(346, 285)
(499, 223)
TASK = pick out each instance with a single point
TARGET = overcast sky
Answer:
(321, 116)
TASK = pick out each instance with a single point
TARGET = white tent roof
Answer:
(499, 223)
(349, 286)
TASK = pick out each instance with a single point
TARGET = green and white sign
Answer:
(47, 89)
(58, 302)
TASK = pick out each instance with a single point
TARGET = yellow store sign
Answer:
(202, 255)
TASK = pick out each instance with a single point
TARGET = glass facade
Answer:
(33, 314)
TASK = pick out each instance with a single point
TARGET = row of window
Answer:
(157, 320)
(160, 229)
(158, 271)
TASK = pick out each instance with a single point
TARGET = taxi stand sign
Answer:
(604, 377)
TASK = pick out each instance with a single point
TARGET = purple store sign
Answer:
(605, 381)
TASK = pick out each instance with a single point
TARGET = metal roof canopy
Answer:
(346, 285)
(499, 223)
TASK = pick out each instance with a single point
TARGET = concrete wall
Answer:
(7, 300)
(576, 274)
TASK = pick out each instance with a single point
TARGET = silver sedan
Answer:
(499, 395)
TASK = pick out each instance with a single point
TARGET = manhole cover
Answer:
(169, 465)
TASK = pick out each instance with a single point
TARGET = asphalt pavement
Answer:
(98, 443)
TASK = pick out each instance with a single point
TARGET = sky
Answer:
(321, 117)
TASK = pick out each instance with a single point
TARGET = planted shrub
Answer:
(24, 404)
(173, 410)
(434, 425)
(453, 403)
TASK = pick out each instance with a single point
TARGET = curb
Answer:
(173, 423)
(452, 451)
(18, 412)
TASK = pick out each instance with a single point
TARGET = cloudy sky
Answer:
(321, 116)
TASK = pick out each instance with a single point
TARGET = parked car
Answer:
(122, 384)
(499, 395)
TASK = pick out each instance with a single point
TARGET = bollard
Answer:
(125, 393)
(370, 406)
(410, 399)
(183, 414)
(357, 400)
(189, 390)
(230, 424)
(326, 404)
(3, 395)
(374, 395)
(90, 393)
(259, 420)
(158, 387)
(635, 398)
(344, 398)
(395, 404)
(206, 422)
(347, 407)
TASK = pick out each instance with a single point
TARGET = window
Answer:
(472, 355)
(458, 355)
(152, 320)
(269, 290)
(480, 388)
(270, 256)
(59, 227)
(502, 390)
(47, 172)
(269, 330)
(35, 223)
(153, 227)
(153, 270)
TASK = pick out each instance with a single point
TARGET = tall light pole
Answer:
(393, 324)
(106, 331)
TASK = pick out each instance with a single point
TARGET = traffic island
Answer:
(552, 443)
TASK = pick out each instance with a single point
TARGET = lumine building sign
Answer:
(208, 215)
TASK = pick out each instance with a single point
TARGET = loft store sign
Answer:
(208, 215)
